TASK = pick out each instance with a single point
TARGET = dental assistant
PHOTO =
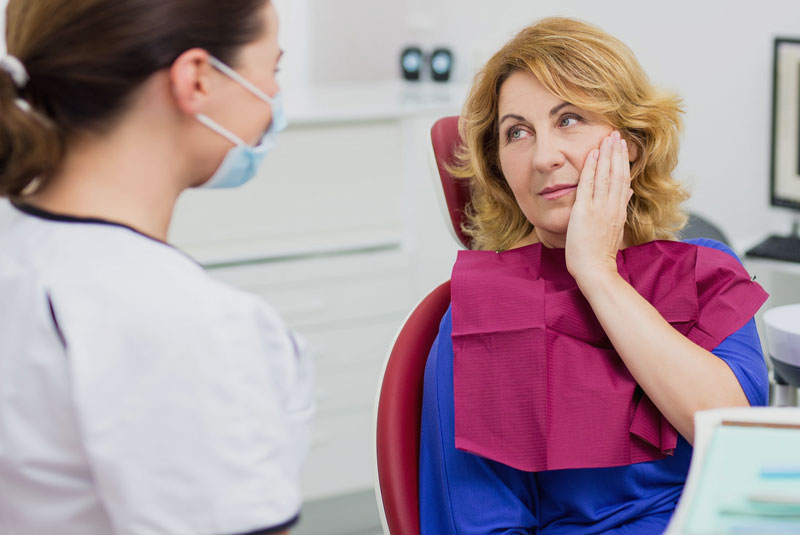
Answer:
(138, 396)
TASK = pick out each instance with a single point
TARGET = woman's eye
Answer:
(568, 120)
(515, 133)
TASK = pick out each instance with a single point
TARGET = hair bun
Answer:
(29, 144)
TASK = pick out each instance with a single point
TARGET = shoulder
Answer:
(111, 265)
(129, 287)
(708, 243)
(713, 266)
(90, 254)
(716, 261)
(702, 257)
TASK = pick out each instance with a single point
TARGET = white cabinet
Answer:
(326, 187)
(341, 233)
(347, 307)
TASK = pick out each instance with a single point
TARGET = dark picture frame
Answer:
(785, 161)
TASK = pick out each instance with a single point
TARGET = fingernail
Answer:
(624, 145)
(595, 154)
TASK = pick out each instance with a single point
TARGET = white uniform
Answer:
(139, 396)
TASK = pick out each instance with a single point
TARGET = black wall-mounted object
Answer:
(411, 60)
(441, 61)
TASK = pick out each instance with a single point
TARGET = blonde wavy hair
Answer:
(588, 68)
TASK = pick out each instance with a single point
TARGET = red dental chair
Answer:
(399, 403)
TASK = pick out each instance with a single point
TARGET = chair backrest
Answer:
(445, 139)
(399, 403)
(399, 410)
(700, 227)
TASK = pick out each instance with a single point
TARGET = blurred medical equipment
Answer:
(782, 326)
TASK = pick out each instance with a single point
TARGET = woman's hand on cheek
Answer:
(597, 221)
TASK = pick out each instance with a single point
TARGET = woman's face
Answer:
(543, 144)
(243, 112)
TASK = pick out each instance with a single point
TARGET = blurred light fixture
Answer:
(441, 64)
(411, 59)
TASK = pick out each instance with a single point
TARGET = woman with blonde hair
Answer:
(582, 335)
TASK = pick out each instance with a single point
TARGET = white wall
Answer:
(717, 56)
(3, 4)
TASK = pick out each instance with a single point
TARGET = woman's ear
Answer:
(633, 149)
(189, 77)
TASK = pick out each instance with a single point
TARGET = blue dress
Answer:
(464, 494)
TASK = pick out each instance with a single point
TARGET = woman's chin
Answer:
(555, 228)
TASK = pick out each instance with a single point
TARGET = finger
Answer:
(626, 168)
(617, 181)
(602, 174)
(627, 159)
(628, 197)
(586, 180)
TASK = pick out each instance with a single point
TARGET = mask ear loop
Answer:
(247, 84)
(224, 69)
(230, 136)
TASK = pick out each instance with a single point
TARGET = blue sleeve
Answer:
(741, 351)
(461, 493)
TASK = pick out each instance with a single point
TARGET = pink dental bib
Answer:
(538, 385)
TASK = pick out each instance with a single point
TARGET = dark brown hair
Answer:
(85, 59)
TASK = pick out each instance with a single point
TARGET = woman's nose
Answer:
(547, 154)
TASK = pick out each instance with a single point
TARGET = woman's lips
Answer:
(554, 192)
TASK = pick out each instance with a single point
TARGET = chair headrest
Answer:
(446, 139)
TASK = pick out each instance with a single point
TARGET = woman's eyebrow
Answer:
(559, 108)
(512, 116)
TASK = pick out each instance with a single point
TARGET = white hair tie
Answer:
(16, 69)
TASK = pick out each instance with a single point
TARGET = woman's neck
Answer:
(547, 240)
(551, 241)
(125, 177)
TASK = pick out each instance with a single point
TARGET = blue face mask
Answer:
(242, 161)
